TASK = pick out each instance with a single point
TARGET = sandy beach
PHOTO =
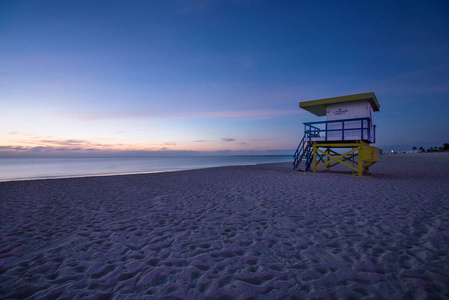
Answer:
(241, 232)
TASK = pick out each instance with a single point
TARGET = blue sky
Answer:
(92, 77)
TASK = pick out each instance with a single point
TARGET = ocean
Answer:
(45, 168)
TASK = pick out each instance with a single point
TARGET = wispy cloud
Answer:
(55, 144)
(203, 141)
(40, 149)
(245, 114)
(69, 142)
(228, 139)
(237, 114)
(421, 81)
(15, 148)
(265, 140)
(55, 147)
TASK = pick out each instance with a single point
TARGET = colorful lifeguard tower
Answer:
(344, 138)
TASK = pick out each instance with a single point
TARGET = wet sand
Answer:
(246, 231)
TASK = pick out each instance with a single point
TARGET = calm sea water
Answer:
(39, 168)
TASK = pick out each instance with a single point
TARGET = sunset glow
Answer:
(172, 77)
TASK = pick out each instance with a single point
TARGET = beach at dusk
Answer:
(235, 232)
(144, 78)
(224, 149)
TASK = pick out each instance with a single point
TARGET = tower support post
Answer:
(357, 156)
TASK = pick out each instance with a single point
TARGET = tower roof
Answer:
(318, 107)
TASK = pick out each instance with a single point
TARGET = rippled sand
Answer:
(259, 231)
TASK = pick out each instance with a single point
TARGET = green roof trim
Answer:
(318, 107)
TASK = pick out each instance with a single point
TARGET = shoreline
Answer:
(135, 173)
(236, 231)
(56, 168)
(340, 170)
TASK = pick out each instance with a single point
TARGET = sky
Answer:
(80, 78)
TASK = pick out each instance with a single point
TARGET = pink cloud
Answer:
(203, 141)
(241, 114)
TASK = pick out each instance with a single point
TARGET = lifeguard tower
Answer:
(344, 138)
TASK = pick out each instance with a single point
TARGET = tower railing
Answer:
(346, 130)
(340, 130)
